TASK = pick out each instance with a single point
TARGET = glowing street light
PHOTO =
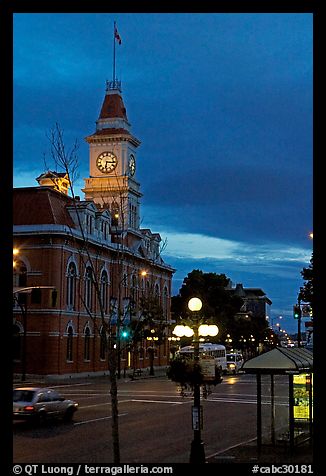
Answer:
(195, 304)
(197, 453)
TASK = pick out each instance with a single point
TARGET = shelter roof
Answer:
(281, 360)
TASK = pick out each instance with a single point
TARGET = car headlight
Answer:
(232, 366)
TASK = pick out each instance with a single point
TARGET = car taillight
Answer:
(29, 408)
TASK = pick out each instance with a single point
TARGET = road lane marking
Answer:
(97, 419)
(70, 385)
(225, 400)
(82, 407)
(156, 401)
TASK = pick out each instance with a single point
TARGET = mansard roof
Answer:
(113, 107)
(147, 232)
(41, 206)
(249, 293)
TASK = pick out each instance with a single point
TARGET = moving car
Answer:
(38, 404)
(234, 362)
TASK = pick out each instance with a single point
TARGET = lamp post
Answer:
(197, 452)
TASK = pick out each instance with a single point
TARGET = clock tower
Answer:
(112, 162)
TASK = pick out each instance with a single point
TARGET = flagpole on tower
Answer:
(114, 30)
(116, 37)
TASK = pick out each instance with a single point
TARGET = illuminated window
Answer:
(115, 214)
(19, 274)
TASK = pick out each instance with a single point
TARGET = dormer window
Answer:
(115, 214)
(89, 224)
(104, 229)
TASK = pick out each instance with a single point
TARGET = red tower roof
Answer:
(113, 107)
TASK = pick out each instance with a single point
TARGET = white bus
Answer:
(218, 351)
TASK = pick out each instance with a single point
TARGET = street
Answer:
(154, 422)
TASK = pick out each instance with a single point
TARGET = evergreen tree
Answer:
(306, 293)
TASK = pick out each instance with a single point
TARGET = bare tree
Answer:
(147, 310)
(68, 161)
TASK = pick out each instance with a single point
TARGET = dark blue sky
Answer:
(222, 104)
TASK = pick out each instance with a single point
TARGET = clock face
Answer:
(106, 162)
(132, 165)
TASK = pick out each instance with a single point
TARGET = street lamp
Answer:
(197, 453)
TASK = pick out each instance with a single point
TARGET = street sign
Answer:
(309, 324)
(207, 365)
(197, 418)
(306, 310)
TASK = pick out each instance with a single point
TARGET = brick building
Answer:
(74, 254)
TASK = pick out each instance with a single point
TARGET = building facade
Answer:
(84, 270)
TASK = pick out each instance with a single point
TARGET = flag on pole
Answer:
(117, 36)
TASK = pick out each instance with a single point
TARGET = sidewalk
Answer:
(248, 453)
(126, 375)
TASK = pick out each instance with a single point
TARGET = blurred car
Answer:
(234, 363)
(38, 404)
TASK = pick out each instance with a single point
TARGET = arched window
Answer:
(71, 285)
(70, 333)
(115, 213)
(88, 287)
(142, 286)
(103, 344)
(17, 342)
(87, 338)
(20, 274)
(133, 290)
(104, 290)
(157, 292)
(165, 302)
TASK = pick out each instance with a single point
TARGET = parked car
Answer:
(234, 363)
(39, 404)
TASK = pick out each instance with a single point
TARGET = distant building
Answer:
(254, 302)
(57, 324)
(250, 325)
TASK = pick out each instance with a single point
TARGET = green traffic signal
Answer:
(296, 312)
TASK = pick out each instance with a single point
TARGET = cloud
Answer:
(200, 247)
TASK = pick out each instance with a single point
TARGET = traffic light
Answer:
(125, 333)
(296, 312)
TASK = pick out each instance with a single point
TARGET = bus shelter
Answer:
(284, 395)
